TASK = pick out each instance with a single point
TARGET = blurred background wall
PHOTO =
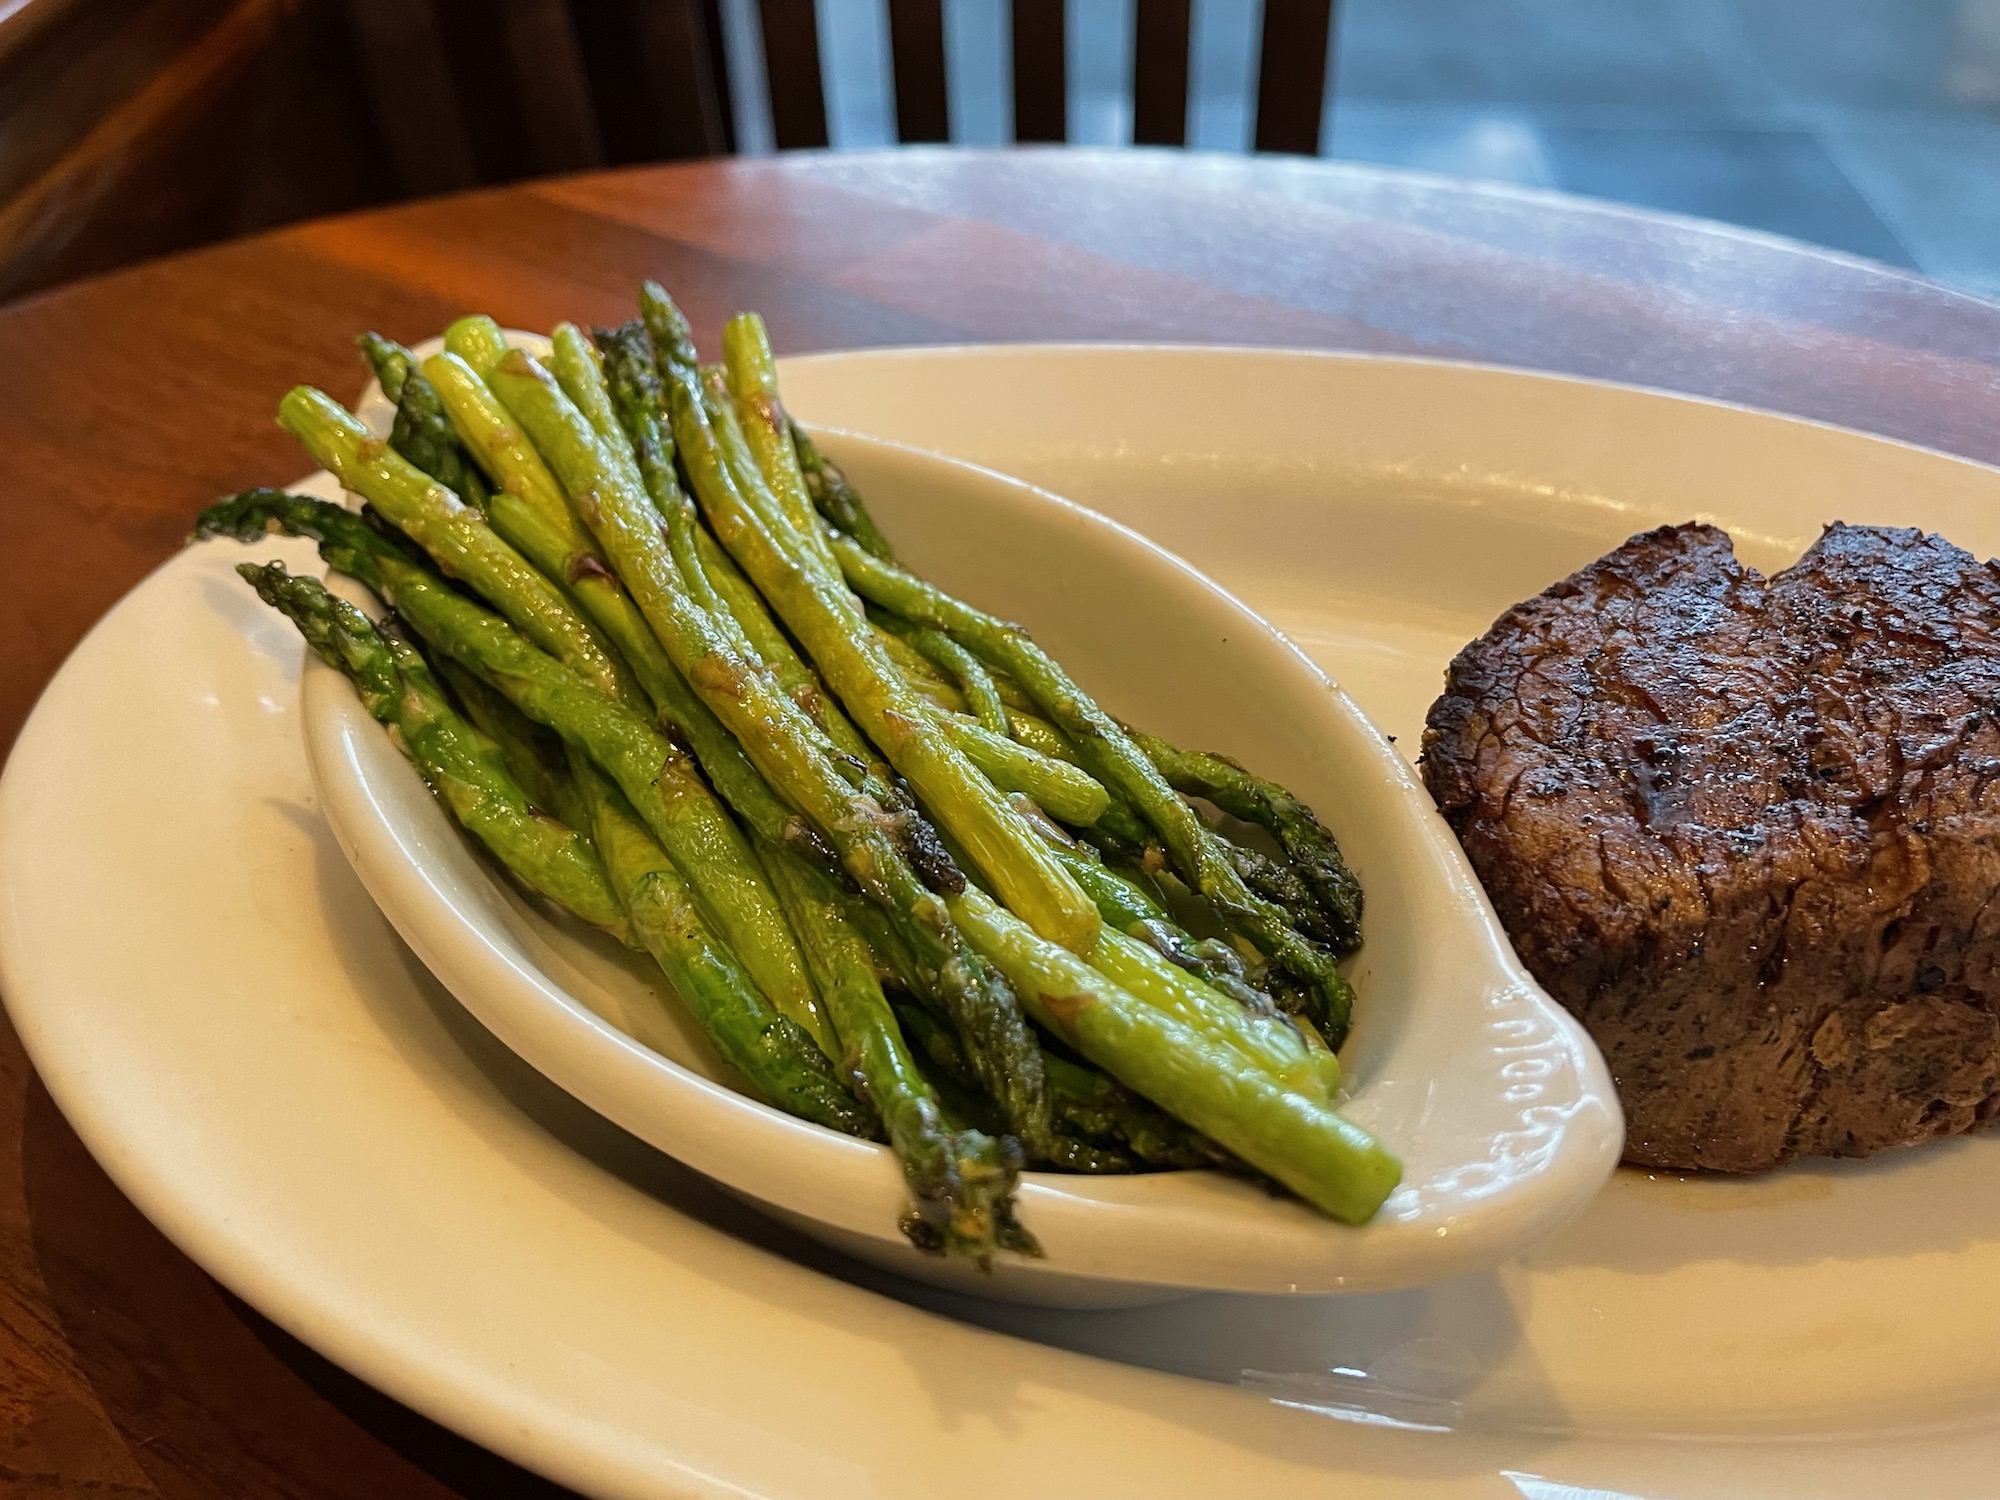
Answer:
(133, 127)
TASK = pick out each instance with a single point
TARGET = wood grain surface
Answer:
(128, 402)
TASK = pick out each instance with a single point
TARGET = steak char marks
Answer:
(1748, 831)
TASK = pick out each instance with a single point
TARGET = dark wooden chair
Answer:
(1291, 74)
(136, 127)
(616, 81)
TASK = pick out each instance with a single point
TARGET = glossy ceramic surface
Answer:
(280, 1085)
(1495, 1100)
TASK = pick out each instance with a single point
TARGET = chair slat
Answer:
(1291, 75)
(482, 76)
(553, 86)
(653, 75)
(916, 48)
(791, 66)
(406, 65)
(1160, 72)
(725, 99)
(1040, 87)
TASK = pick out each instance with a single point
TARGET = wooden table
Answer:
(127, 402)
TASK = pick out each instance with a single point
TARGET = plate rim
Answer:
(491, 1422)
(496, 979)
(1038, 348)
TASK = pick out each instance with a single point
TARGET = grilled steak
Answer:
(1748, 831)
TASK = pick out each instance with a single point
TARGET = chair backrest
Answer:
(135, 127)
(481, 91)
(1291, 73)
(578, 83)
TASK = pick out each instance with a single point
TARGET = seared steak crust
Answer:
(1748, 831)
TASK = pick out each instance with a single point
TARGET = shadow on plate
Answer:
(1407, 1361)
(1400, 1361)
(1930, 1199)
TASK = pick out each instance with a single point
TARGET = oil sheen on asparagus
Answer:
(651, 650)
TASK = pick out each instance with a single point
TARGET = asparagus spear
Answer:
(1126, 1132)
(1321, 897)
(636, 362)
(1061, 790)
(579, 370)
(1127, 908)
(1142, 948)
(836, 499)
(350, 545)
(621, 512)
(982, 697)
(555, 539)
(462, 766)
(636, 398)
(422, 432)
(534, 757)
(922, 672)
(1040, 735)
(503, 451)
(732, 447)
(1108, 752)
(1266, 1041)
(429, 439)
(639, 400)
(653, 772)
(1280, 883)
(656, 775)
(783, 506)
(961, 1182)
(1312, 850)
(633, 386)
(346, 540)
(534, 514)
(391, 363)
(635, 440)
(1121, 822)
(671, 335)
(752, 436)
(779, 1057)
(960, 1099)
(895, 961)
(767, 640)
(453, 533)
(830, 625)
(752, 385)
(477, 340)
(961, 1185)
(774, 732)
(633, 369)
(1325, 1159)
(1096, 1104)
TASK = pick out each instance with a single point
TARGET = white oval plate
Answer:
(1493, 1097)
(279, 1084)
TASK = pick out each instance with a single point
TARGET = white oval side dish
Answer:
(1497, 1103)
